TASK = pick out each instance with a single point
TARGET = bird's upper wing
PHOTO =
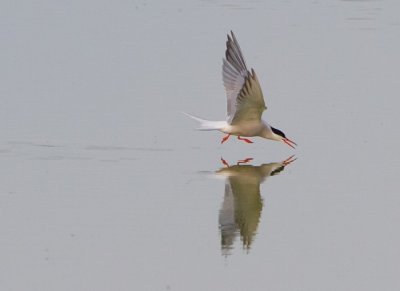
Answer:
(245, 100)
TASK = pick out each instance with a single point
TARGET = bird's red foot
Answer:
(224, 162)
(244, 139)
(244, 161)
(225, 138)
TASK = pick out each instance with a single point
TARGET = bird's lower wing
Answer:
(250, 101)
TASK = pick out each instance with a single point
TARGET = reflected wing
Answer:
(248, 205)
(226, 219)
(245, 100)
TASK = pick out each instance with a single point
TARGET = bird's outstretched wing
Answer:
(245, 101)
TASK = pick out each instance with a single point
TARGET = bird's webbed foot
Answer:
(244, 139)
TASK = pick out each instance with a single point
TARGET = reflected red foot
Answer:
(244, 139)
(244, 161)
(224, 162)
(225, 138)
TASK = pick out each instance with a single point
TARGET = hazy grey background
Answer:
(105, 185)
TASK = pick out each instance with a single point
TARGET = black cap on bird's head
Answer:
(278, 132)
(283, 136)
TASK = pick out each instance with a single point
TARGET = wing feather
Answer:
(245, 100)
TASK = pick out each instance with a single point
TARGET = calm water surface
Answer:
(106, 186)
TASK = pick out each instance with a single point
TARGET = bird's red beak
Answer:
(289, 160)
(289, 142)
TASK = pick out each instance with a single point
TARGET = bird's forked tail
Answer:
(208, 124)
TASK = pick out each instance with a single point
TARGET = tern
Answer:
(241, 209)
(245, 101)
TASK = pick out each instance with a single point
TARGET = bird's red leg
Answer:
(224, 162)
(244, 139)
(225, 138)
(244, 161)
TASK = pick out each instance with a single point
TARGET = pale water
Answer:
(106, 186)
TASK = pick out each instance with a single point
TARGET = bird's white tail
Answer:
(208, 124)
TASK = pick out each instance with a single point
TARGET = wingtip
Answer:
(234, 37)
(253, 74)
(231, 36)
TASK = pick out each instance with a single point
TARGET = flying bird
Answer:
(241, 209)
(245, 101)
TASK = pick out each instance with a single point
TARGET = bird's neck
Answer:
(269, 134)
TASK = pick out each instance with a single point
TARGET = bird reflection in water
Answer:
(241, 209)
